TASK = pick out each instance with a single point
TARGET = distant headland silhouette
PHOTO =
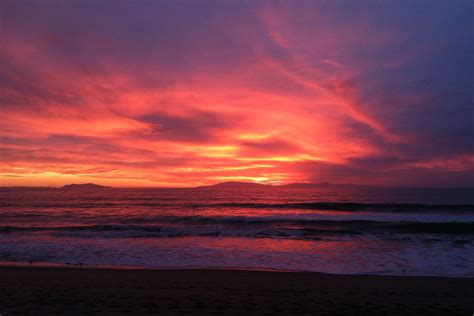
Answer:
(84, 186)
(253, 185)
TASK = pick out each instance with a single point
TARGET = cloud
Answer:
(174, 93)
(268, 147)
(198, 126)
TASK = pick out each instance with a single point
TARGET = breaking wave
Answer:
(299, 229)
(327, 206)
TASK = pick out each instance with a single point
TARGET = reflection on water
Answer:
(278, 229)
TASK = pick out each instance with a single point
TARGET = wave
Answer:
(292, 219)
(112, 231)
(291, 229)
(343, 206)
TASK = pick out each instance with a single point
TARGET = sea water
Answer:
(343, 230)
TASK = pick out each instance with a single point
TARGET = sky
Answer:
(185, 93)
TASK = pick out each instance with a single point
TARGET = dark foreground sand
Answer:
(46, 291)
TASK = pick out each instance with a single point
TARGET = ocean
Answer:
(344, 230)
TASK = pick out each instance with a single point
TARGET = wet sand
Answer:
(46, 291)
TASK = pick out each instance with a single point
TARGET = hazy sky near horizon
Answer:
(184, 93)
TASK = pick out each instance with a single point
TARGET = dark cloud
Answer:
(198, 126)
(385, 172)
(269, 147)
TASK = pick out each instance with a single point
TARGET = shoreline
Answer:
(20, 264)
(72, 290)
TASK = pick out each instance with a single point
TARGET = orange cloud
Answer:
(267, 93)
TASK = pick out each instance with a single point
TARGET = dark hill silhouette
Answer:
(320, 185)
(253, 185)
(235, 185)
(84, 186)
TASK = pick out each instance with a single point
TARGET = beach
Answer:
(62, 290)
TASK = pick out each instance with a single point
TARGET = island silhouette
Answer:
(84, 186)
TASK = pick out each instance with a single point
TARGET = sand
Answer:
(46, 291)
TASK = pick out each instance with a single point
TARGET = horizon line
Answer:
(244, 182)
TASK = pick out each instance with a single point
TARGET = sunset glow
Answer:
(194, 93)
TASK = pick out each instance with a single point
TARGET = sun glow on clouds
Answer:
(269, 93)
